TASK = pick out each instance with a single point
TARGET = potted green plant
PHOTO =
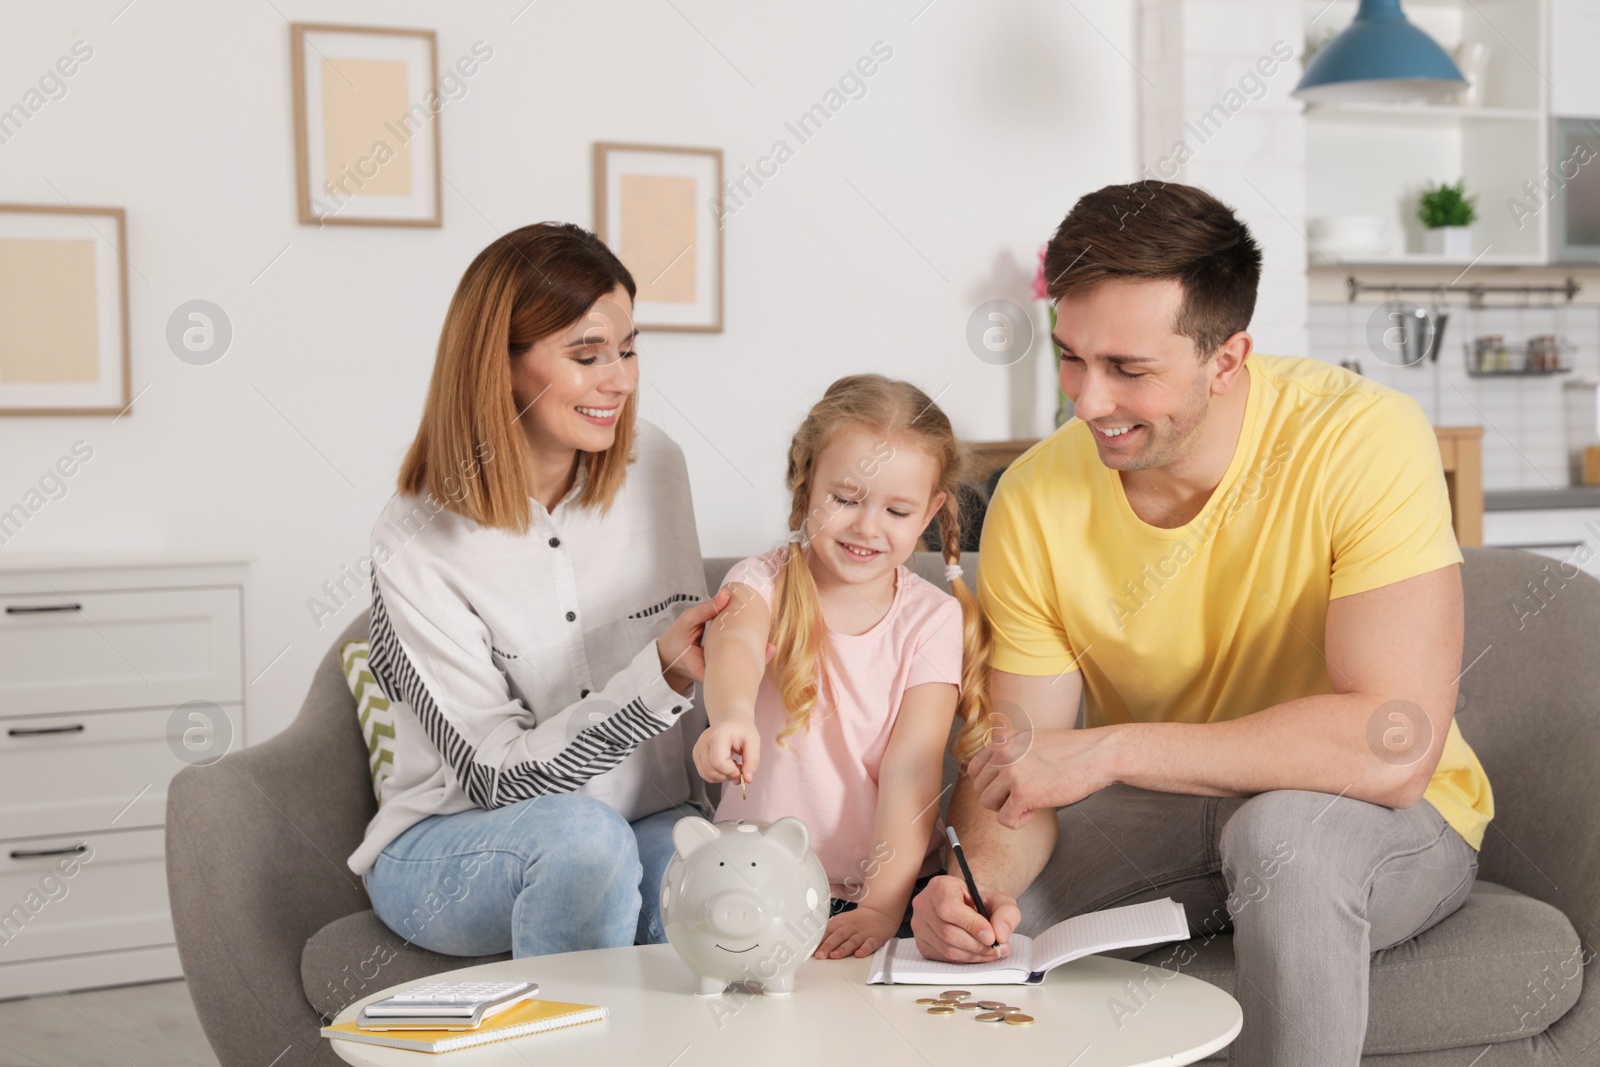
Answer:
(1447, 211)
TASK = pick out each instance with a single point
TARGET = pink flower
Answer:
(1039, 292)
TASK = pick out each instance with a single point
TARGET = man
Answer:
(1245, 564)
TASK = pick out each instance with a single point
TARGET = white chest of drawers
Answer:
(114, 674)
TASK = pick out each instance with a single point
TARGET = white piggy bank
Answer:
(744, 902)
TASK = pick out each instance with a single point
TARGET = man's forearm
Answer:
(1008, 860)
(1317, 743)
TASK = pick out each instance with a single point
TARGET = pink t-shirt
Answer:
(828, 774)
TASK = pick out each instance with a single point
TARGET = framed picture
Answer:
(366, 125)
(658, 209)
(63, 310)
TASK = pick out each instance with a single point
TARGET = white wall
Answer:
(1216, 112)
(972, 142)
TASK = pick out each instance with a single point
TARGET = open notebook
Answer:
(1150, 923)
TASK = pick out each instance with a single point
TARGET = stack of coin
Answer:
(985, 1011)
(947, 1002)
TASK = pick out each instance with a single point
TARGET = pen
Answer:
(966, 872)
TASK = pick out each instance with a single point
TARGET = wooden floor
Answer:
(150, 1025)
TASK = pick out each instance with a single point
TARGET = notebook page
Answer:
(908, 965)
(1153, 922)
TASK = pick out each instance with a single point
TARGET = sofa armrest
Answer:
(1529, 705)
(256, 849)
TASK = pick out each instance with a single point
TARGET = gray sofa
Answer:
(276, 934)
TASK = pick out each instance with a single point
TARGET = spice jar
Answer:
(1489, 355)
(1544, 354)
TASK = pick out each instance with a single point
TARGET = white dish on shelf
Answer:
(1348, 236)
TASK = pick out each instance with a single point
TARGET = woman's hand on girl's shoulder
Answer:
(683, 659)
(681, 648)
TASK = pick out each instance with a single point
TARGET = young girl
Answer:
(846, 729)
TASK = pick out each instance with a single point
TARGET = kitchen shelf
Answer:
(1374, 159)
(1576, 496)
(1516, 373)
(1423, 259)
(1419, 113)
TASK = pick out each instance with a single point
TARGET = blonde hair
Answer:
(897, 411)
(527, 285)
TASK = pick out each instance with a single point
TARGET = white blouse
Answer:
(525, 665)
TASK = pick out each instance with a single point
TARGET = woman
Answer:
(535, 621)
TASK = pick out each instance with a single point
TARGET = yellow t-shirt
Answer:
(1336, 487)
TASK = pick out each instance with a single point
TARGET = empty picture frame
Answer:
(63, 310)
(366, 125)
(657, 208)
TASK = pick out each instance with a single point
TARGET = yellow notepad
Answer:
(529, 1017)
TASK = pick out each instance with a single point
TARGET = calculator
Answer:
(445, 1005)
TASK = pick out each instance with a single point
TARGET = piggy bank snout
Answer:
(737, 914)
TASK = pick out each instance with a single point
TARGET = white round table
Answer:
(833, 1016)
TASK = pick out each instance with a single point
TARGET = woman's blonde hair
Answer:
(525, 286)
(898, 412)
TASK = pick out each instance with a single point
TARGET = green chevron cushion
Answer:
(372, 708)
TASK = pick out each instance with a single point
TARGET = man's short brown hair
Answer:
(1155, 230)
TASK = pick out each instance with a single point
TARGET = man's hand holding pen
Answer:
(948, 927)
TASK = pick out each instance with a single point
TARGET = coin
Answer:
(926, 1000)
(992, 1005)
(941, 1009)
(991, 1017)
(946, 1002)
(967, 1005)
(955, 994)
(1019, 1019)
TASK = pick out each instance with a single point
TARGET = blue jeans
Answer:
(556, 873)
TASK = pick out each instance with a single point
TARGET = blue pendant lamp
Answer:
(1380, 57)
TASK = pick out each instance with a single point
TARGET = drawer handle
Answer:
(37, 853)
(40, 609)
(35, 731)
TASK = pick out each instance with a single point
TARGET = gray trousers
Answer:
(1309, 883)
